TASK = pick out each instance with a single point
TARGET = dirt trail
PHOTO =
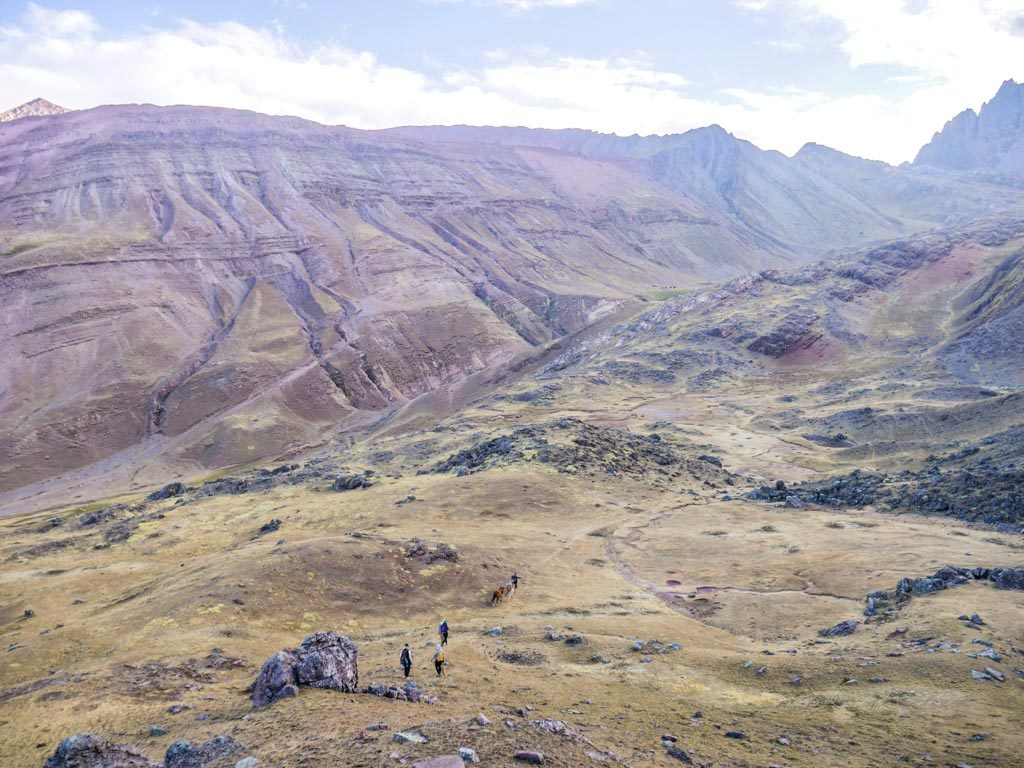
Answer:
(623, 568)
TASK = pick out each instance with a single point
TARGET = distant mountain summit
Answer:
(34, 108)
(992, 138)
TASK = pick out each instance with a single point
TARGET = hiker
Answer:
(515, 580)
(406, 660)
(442, 630)
(438, 659)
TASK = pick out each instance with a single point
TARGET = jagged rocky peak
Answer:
(34, 108)
(992, 138)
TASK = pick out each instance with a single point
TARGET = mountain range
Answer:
(186, 289)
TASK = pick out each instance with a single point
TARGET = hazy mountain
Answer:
(991, 139)
(207, 273)
(34, 108)
(817, 200)
(228, 287)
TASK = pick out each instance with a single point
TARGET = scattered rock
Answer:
(269, 527)
(181, 754)
(678, 754)
(247, 762)
(410, 737)
(409, 692)
(468, 755)
(447, 761)
(529, 756)
(352, 482)
(418, 549)
(551, 726)
(323, 660)
(735, 735)
(156, 730)
(522, 658)
(84, 750)
(482, 719)
(841, 629)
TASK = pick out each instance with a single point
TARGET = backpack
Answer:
(440, 657)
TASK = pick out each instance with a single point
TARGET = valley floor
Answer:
(122, 632)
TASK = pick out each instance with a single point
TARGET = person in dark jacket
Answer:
(442, 630)
(406, 660)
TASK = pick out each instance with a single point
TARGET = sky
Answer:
(874, 78)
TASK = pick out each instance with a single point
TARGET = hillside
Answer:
(674, 595)
(230, 287)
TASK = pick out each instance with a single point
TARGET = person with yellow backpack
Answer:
(439, 659)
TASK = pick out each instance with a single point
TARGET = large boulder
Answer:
(352, 482)
(323, 660)
(924, 586)
(182, 754)
(1007, 578)
(83, 750)
(169, 491)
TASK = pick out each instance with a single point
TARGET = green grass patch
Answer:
(18, 249)
(667, 293)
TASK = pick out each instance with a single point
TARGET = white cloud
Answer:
(234, 65)
(529, 5)
(946, 62)
(953, 52)
(518, 6)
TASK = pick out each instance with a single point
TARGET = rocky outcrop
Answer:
(84, 750)
(183, 754)
(352, 482)
(882, 603)
(422, 552)
(169, 491)
(323, 660)
(985, 492)
(87, 751)
(992, 138)
(1007, 578)
(841, 629)
(795, 332)
(409, 692)
(573, 446)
